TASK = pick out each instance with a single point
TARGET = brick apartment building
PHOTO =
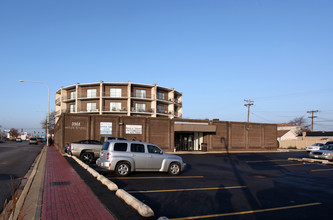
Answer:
(119, 99)
(152, 114)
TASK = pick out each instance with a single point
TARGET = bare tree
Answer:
(300, 121)
(51, 123)
(13, 133)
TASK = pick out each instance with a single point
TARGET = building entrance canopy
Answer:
(194, 127)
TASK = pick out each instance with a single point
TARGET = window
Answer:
(115, 92)
(140, 93)
(140, 107)
(160, 95)
(106, 146)
(91, 107)
(72, 108)
(154, 150)
(120, 147)
(139, 148)
(73, 95)
(115, 106)
(160, 108)
(91, 93)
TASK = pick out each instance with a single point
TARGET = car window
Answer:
(153, 149)
(120, 147)
(106, 146)
(140, 148)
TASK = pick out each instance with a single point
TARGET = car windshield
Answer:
(317, 144)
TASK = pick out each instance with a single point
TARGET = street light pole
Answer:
(48, 108)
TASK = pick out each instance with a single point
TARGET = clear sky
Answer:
(278, 53)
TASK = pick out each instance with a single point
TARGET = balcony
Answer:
(88, 97)
(177, 102)
(116, 111)
(142, 98)
(65, 99)
(142, 111)
(108, 96)
(160, 99)
(58, 101)
(89, 111)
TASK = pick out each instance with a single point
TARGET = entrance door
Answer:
(188, 141)
(198, 139)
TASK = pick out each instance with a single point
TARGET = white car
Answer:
(316, 146)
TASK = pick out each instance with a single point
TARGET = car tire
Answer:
(174, 169)
(87, 157)
(123, 169)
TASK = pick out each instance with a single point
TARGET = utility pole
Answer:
(312, 117)
(248, 105)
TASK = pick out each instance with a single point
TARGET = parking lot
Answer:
(236, 186)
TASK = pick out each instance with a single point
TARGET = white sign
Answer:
(106, 127)
(133, 129)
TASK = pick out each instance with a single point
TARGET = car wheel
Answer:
(87, 157)
(123, 169)
(174, 169)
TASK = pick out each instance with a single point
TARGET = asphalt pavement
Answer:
(214, 186)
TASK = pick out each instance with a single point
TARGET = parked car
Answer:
(124, 157)
(33, 141)
(41, 140)
(326, 153)
(328, 142)
(86, 150)
(316, 146)
(18, 139)
(111, 138)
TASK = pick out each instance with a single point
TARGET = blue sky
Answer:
(278, 53)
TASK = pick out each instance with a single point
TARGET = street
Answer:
(236, 186)
(15, 160)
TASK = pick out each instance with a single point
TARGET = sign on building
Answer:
(133, 129)
(106, 128)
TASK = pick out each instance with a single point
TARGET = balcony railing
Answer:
(142, 97)
(90, 97)
(115, 110)
(147, 111)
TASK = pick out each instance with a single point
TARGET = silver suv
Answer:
(124, 157)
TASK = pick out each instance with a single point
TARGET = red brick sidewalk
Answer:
(66, 196)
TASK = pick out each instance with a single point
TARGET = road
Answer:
(16, 159)
(236, 186)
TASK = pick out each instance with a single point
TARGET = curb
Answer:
(28, 188)
(142, 208)
(139, 206)
(310, 160)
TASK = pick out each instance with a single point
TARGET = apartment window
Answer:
(72, 108)
(140, 107)
(115, 106)
(140, 93)
(91, 93)
(160, 108)
(73, 95)
(160, 95)
(91, 107)
(115, 92)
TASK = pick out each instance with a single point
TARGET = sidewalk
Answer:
(66, 196)
(55, 191)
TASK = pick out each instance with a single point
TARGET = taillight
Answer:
(108, 154)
